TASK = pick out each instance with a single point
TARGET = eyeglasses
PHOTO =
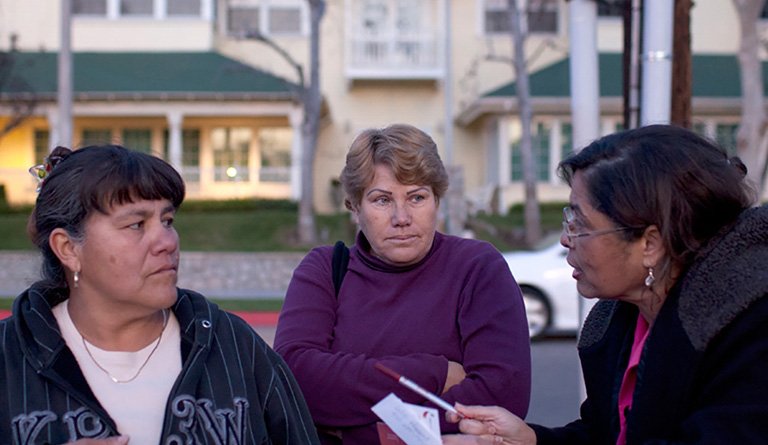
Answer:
(569, 220)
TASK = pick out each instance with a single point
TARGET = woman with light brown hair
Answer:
(441, 310)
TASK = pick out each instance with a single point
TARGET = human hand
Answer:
(116, 440)
(455, 375)
(489, 425)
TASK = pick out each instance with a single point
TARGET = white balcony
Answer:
(395, 58)
(394, 40)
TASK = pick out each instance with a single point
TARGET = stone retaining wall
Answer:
(214, 274)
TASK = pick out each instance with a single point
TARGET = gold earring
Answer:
(76, 279)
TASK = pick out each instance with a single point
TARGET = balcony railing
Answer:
(399, 57)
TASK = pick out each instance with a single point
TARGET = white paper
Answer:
(414, 424)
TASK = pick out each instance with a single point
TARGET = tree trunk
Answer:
(752, 140)
(310, 127)
(532, 216)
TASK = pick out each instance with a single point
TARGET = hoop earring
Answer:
(76, 279)
(650, 278)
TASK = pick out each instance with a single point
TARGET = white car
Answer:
(549, 290)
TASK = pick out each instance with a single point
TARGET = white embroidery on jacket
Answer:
(223, 426)
(82, 423)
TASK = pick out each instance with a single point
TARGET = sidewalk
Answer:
(214, 274)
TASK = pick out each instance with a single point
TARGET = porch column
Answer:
(53, 129)
(555, 149)
(505, 162)
(174, 139)
(296, 117)
(505, 152)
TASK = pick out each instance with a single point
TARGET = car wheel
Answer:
(537, 311)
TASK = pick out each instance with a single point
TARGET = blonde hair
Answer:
(409, 152)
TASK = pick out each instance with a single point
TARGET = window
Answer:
(96, 137)
(567, 140)
(540, 16)
(275, 148)
(42, 145)
(183, 7)
(394, 37)
(722, 133)
(190, 153)
(138, 139)
(540, 145)
(136, 7)
(725, 135)
(611, 8)
(89, 7)
(270, 17)
(231, 147)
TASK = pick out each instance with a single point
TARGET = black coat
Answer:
(703, 372)
(232, 388)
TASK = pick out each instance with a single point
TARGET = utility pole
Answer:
(656, 93)
(681, 64)
(632, 17)
(64, 92)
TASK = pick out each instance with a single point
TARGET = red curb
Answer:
(253, 318)
(259, 318)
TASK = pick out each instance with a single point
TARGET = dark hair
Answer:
(665, 176)
(93, 179)
(409, 152)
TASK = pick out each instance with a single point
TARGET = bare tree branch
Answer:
(261, 37)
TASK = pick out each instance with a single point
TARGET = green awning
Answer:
(144, 75)
(715, 76)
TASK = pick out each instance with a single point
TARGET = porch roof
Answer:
(143, 76)
(716, 87)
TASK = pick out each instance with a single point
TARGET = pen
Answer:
(410, 384)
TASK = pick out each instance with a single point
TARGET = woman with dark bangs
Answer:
(106, 348)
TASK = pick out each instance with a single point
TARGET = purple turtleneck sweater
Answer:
(460, 303)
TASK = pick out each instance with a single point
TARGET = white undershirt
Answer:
(138, 406)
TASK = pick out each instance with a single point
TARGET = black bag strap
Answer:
(339, 264)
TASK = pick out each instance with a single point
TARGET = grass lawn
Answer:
(249, 305)
(264, 226)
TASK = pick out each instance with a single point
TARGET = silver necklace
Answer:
(141, 368)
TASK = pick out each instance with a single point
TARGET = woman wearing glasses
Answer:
(660, 227)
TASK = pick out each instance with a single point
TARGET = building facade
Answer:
(186, 80)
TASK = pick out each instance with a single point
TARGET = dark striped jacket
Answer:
(233, 389)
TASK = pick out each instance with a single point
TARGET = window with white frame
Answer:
(394, 34)
(723, 132)
(96, 136)
(89, 7)
(187, 8)
(269, 17)
(275, 149)
(190, 153)
(42, 145)
(231, 149)
(139, 139)
(541, 151)
(610, 8)
(138, 8)
(539, 16)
